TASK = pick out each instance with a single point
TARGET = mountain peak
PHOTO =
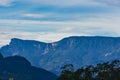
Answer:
(16, 39)
(24, 40)
(20, 69)
(18, 61)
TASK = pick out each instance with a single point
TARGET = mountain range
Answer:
(18, 68)
(76, 50)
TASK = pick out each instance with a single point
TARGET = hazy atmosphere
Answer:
(51, 20)
(59, 39)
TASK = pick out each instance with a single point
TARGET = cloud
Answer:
(63, 3)
(110, 2)
(29, 15)
(6, 2)
(51, 20)
(106, 23)
(49, 31)
(67, 29)
(69, 3)
(53, 10)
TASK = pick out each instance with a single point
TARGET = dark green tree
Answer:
(104, 71)
(67, 72)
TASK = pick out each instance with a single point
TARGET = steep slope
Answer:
(1, 56)
(76, 50)
(20, 69)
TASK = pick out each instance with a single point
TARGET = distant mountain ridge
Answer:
(78, 50)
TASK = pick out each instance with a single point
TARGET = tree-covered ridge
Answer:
(19, 68)
(102, 71)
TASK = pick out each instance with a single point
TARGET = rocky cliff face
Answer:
(77, 50)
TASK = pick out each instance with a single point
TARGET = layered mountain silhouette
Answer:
(18, 68)
(78, 50)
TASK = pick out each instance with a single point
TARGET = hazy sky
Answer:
(51, 20)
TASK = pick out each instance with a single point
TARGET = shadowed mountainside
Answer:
(20, 69)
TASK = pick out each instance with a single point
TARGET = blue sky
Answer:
(51, 20)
